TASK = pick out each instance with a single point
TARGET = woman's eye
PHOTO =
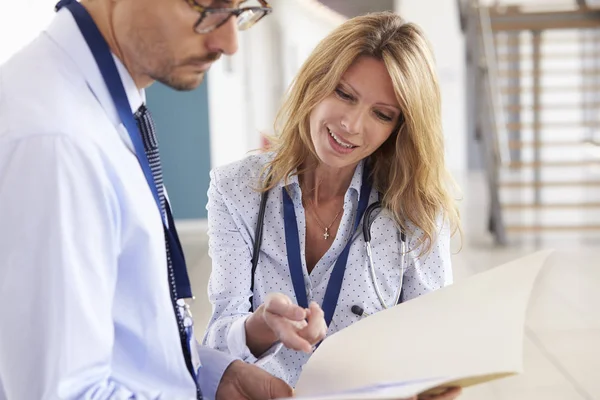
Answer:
(343, 95)
(383, 117)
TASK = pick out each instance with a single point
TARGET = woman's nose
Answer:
(353, 121)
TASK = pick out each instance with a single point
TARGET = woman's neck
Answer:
(321, 183)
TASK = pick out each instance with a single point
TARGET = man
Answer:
(91, 270)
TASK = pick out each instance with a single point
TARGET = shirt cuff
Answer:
(214, 364)
(236, 342)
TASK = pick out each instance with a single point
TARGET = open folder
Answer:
(461, 335)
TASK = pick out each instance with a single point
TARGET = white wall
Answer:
(227, 113)
(245, 90)
(304, 23)
(440, 22)
(20, 22)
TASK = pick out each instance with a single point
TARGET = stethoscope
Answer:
(366, 228)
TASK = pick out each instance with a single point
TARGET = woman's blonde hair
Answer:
(408, 169)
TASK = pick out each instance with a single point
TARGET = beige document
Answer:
(464, 334)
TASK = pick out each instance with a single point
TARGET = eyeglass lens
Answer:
(213, 20)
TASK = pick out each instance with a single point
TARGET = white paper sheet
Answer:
(463, 334)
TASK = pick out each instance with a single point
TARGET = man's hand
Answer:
(278, 319)
(243, 381)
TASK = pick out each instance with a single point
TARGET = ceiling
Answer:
(352, 8)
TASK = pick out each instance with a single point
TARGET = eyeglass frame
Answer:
(204, 11)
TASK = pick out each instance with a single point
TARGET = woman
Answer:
(361, 123)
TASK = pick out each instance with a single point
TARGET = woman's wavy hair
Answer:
(409, 168)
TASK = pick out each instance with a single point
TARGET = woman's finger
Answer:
(280, 304)
(448, 394)
(316, 329)
(287, 332)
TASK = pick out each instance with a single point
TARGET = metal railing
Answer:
(489, 66)
(491, 128)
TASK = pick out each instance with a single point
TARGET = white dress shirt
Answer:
(233, 206)
(85, 309)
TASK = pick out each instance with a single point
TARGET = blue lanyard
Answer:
(292, 243)
(112, 79)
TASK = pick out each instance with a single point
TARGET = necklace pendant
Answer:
(326, 234)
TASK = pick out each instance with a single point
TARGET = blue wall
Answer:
(183, 130)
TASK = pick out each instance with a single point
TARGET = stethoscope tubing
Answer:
(366, 228)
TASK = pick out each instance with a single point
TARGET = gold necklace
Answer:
(326, 235)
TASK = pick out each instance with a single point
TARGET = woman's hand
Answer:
(448, 394)
(278, 319)
(297, 328)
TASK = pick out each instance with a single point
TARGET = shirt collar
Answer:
(356, 183)
(65, 32)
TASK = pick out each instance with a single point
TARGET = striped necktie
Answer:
(148, 132)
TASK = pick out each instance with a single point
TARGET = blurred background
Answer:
(520, 82)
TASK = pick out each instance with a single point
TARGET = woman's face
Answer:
(351, 123)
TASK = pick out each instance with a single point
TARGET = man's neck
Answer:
(101, 13)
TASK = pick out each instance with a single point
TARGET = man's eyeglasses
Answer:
(212, 18)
